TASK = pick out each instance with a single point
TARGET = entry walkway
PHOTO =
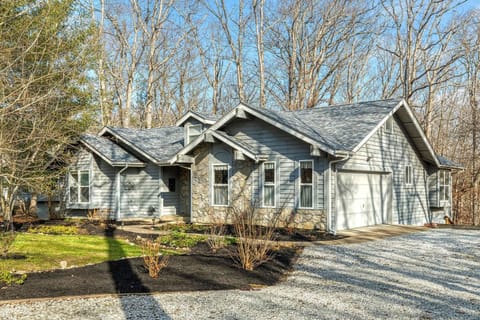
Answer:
(356, 235)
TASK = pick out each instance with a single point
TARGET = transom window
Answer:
(306, 184)
(79, 186)
(389, 125)
(220, 185)
(444, 184)
(269, 184)
(193, 131)
(408, 175)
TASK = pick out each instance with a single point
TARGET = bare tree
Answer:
(234, 31)
(419, 42)
(310, 40)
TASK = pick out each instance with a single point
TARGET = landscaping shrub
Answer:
(9, 278)
(58, 230)
(153, 259)
(216, 238)
(180, 240)
(6, 242)
(255, 236)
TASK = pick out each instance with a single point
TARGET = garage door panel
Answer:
(362, 199)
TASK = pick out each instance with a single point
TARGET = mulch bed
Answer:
(198, 270)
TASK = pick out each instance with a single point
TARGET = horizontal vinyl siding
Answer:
(104, 187)
(287, 151)
(386, 152)
(135, 203)
(170, 199)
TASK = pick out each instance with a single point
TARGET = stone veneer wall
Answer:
(184, 192)
(241, 189)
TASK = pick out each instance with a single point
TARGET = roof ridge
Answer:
(350, 105)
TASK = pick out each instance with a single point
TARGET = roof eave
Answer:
(129, 144)
(236, 146)
(107, 160)
(94, 150)
(194, 115)
(232, 114)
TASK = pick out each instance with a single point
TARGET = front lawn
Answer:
(37, 252)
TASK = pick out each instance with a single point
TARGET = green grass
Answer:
(54, 229)
(36, 252)
(180, 240)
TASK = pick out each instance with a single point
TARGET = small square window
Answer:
(388, 127)
(193, 132)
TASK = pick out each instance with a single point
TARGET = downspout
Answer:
(119, 197)
(332, 229)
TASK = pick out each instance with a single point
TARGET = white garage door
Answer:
(362, 199)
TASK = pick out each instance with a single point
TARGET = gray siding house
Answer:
(330, 168)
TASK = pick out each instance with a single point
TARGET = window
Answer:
(306, 184)
(389, 125)
(408, 175)
(444, 184)
(193, 131)
(79, 186)
(220, 185)
(269, 184)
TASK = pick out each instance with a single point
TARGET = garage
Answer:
(362, 199)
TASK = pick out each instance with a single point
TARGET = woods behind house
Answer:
(69, 65)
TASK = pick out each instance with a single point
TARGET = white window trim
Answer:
(212, 184)
(188, 127)
(306, 184)
(79, 186)
(408, 176)
(269, 184)
(442, 183)
(385, 128)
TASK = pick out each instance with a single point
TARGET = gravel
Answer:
(425, 275)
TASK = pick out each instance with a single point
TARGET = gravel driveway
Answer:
(425, 275)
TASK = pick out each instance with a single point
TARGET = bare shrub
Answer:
(216, 237)
(256, 234)
(153, 258)
(6, 241)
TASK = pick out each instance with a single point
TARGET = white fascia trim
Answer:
(274, 123)
(415, 123)
(234, 145)
(378, 126)
(192, 114)
(112, 164)
(92, 149)
(126, 142)
(187, 148)
(422, 134)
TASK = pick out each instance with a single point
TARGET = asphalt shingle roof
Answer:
(159, 143)
(236, 141)
(207, 116)
(340, 127)
(109, 149)
(448, 163)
